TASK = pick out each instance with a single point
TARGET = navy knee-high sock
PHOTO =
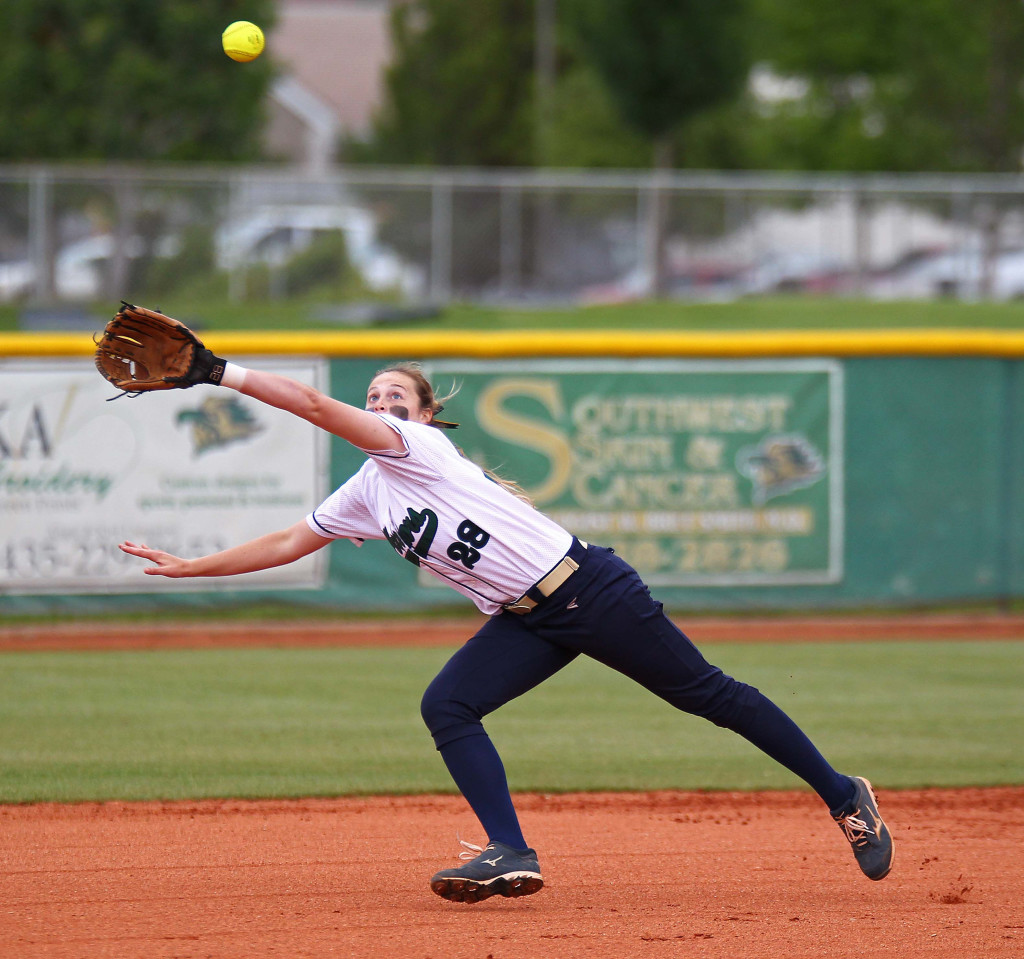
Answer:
(478, 771)
(774, 733)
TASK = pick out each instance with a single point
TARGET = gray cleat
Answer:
(869, 836)
(498, 870)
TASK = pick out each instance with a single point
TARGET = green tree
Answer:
(586, 128)
(664, 62)
(128, 80)
(460, 90)
(934, 85)
(930, 85)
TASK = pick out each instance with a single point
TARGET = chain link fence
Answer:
(406, 237)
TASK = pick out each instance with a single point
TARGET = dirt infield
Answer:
(716, 875)
(655, 875)
(429, 632)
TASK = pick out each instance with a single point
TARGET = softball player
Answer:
(550, 598)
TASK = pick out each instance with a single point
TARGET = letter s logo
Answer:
(544, 438)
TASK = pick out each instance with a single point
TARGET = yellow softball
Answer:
(242, 41)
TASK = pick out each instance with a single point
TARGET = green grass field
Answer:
(329, 722)
(270, 723)
(759, 313)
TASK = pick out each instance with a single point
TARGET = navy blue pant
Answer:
(604, 611)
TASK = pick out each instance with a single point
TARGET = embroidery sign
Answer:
(698, 473)
(187, 471)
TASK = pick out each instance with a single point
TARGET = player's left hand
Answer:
(166, 564)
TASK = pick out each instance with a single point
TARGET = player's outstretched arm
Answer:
(142, 350)
(274, 549)
(360, 427)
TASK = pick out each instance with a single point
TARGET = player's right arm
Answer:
(362, 428)
(274, 549)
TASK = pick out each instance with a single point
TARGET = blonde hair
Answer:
(429, 400)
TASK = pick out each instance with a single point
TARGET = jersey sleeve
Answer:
(427, 456)
(345, 515)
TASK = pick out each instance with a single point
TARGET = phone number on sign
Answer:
(85, 557)
(705, 555)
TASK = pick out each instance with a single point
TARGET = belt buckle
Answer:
(525, 604)
(519, 607)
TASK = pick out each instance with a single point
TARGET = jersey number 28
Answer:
(417, 531)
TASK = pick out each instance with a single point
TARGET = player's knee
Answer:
(731, 705)
(433, 709)
(718, 698)
(440, 711)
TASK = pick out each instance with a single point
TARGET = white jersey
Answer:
(441, 512)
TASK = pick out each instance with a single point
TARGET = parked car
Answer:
(796, 272)
(15, 280)
(270, 235)
(80, 269)
(698, 280)
(274, 234)
(955, 273)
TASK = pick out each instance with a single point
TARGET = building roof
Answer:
(337, 50)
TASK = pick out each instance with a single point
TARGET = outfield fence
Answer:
(738, 471)
(516, 236)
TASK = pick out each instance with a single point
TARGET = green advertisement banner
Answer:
(717, 473)
(733, 485)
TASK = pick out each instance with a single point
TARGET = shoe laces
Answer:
(856, 830)
(471, 851)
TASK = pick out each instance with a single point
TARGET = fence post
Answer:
(511, 233)
(645, 249)
(962, 209)
(42, 254)
(441, 240)
(861, 241)
(235, 268)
